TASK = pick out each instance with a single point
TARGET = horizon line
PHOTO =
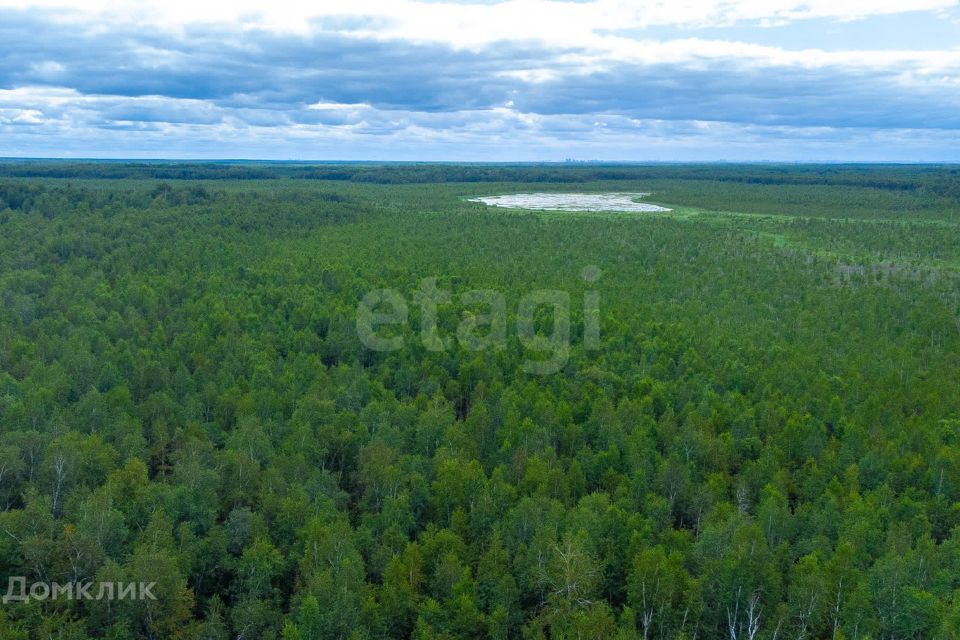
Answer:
(566, 162)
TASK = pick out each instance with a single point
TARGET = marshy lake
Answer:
(571, 202)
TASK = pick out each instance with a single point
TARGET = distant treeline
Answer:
(941, 180)
(135, 170)
(247, 208)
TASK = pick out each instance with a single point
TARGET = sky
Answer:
(515, 80)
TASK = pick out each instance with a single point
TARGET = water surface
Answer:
(571, 201)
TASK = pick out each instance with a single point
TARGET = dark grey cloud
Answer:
(217, 64)
(734, 92)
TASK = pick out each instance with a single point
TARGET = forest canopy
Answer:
(765, 442)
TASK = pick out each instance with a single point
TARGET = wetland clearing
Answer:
(572, 202)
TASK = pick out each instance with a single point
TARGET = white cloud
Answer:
(338, 106)
(68, 106)
(604, 33)
(533, 76)
(552, 21)
(20, 116)
(490, 135)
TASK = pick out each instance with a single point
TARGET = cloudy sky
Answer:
(482, 80)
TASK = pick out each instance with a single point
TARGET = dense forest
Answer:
(764, 445)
